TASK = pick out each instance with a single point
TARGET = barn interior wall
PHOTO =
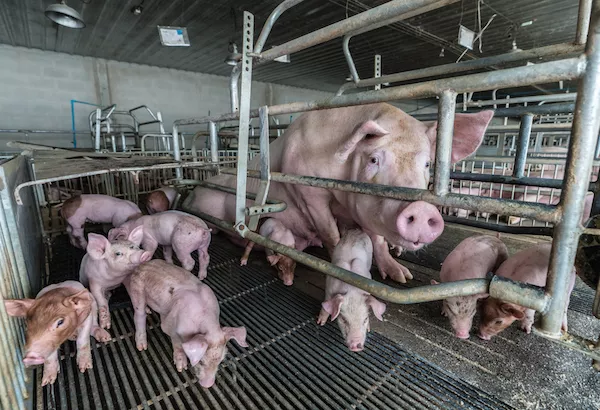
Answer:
(39, 85)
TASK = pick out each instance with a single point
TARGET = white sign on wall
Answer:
(173, 36)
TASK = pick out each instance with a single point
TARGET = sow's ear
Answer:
(468, 133)
(368, 130)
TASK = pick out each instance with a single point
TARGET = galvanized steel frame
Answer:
(551, 301)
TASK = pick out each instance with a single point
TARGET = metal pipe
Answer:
(531, 210)
(549, 109)
(481, 63)
(553, 71)
(523, 145)
(583, 21)
(443, 148)
(530, 296)
(519, 100)
(364, 19)
(275, 14)
(176, 151)
(535, 128)
(214, 142)
(233, 87)
(516, 230)
(507, 179)
(386, 22)
(97, 140)
(586, 125)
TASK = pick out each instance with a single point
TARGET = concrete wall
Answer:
(37, 87)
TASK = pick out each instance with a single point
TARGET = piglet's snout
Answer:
(32, 359)
(140, 257)
(356, 345)
(420, 223)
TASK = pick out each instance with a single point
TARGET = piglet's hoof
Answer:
(84, 361)
(526, 327)
(49, 375)
(141, 342)
(180, 360)
(148, 310)
(243, 261)
(104, 318)
(101, 335)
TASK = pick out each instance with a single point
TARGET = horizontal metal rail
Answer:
(175, 165)
(520, 100)
(531, 210)
(508, 179)
(521, 293)
(364, 19)
(546, 109)
(554, 71)
(565, 49)
(515, 230)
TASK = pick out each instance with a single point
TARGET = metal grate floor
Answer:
(291, 363)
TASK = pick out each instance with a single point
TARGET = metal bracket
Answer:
(377, 70)
(244, 124)
(265, 171)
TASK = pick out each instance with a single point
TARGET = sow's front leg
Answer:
(387, 265)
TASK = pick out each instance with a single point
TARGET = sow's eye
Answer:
(498, 322)
(118, 254)
(60, 322)
(374, 160)
(427, 164)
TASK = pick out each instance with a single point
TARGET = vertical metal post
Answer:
(123, 144)
(214, 142)
(377, 70)
(242, 166)
(176, 152)
(522, 145)
(97, 141)
(265, 165)
(583, 21)
(586, 124)
(443, 147)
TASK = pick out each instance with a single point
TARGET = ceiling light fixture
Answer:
(64, 15)
(233, 57)
(137, 10)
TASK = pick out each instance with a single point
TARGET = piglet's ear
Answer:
(273, 259)
(513, 310)
(236, 333)
(195, 348)
(82, 300)
(18, 307)
(98, 246)
(367, 131)
(117, 234)
(377, 306)
(136, 235)
(468, 133)
(333, 306)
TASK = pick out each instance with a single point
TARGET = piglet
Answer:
(78, 210)
(353, 252)
(161, 200)
(276, 231)
(530, 266)
(189, 314)
(106, 265)
(473, 258)
(174, 230)
(59, 312)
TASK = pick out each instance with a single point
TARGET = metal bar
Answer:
(482, 63)
(536, 128)
(97, 140)
(214, 142)
(524, 294)
(244, 119)
(531, 210)
(443, 148)
(364, 19)
(586, 125)
(275, 14)
(265, 172)
(523, 146)
(517, 230)
(553, 71)
(176, 151)
(377, 70)
(519, 100)
(583, 21)
(507, 179)
(386, 22)
(233, 87)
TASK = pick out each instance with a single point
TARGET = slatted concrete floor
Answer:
(291, 363)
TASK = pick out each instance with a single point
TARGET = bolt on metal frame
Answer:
(566, 216)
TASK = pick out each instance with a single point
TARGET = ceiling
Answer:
(113, 32)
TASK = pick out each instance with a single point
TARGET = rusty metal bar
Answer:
(523, 145)
(586, 125)
(364, 19)
(553, 71)
(443, 148)
(583, 21)
(565, 49)
(531, 210)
